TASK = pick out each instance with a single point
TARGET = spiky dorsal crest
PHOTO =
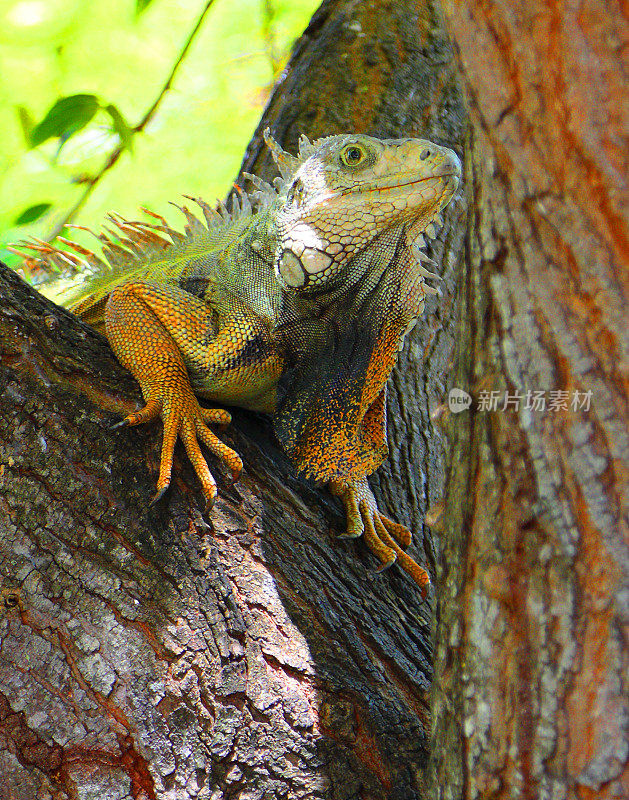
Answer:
(264, 193)
(144, 250)
(286, 164)
(306, 148)
(155, 250)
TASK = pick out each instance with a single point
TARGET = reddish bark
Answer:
(532, 630)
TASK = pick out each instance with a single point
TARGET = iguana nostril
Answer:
(424, 155)
(451, 162)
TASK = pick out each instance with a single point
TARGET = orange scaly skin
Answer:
(298, 310)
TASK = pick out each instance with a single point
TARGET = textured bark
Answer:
(531, 690)
(144, 655)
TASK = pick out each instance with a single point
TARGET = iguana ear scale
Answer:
(287, 164)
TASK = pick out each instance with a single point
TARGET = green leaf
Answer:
(32, 213)
(26, 121)
(65, 118)
(122, 128)
(141, 5)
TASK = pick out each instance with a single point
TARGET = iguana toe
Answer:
(188, 433)
(216, 416)
(151, 411)
(412, 568)
(355, 526)
(384, 567)
(399, 532)
(231, 459)
(373, 538)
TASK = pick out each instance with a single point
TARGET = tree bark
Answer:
(146, 655)
(530, 697)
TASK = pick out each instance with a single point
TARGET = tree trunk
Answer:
(530, 697)
(146, 655)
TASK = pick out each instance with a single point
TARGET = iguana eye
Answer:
(353, 154)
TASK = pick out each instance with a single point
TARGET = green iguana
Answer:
(294, 303)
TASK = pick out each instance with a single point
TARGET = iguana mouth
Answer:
(380, 187)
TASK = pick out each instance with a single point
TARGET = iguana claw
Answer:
(158, 496)
(123, 423)
(384, 537)
(385, 567)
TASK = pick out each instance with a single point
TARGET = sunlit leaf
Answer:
(122, 128)
(32, 213)
(141, 5)
(66, 117)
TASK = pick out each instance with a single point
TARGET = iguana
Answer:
(296, 302)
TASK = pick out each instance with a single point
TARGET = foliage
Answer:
(77, 77)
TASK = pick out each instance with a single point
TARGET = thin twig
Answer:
(268, 32)
(91, 183)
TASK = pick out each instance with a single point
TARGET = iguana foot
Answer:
(384, 537)
(183, 417)
(158, 332)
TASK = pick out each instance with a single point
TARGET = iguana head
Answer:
(343, 191)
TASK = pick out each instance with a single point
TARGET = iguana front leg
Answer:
(384, 537)
(164, 335)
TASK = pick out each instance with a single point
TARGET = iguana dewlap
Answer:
(297, 307)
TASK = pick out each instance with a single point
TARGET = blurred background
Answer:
(86, 125)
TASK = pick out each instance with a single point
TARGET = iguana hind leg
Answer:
(162, 334)
(384, 537)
